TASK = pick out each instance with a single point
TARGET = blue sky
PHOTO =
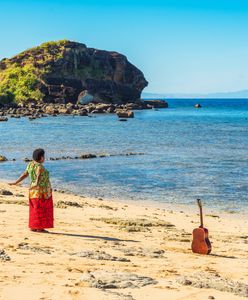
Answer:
(181, 46)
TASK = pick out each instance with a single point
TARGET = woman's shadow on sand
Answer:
(105, 238)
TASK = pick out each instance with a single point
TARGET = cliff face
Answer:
(60, 71)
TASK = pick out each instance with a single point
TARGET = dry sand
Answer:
(114, 250)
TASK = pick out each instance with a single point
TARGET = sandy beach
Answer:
(103, 249)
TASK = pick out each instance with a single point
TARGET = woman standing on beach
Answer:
(40, 193)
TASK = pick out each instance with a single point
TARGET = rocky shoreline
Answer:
(38, 110)
(82, 156)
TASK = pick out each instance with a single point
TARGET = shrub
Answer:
(6, 98)
(19, 84)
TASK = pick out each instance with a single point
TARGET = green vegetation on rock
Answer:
(19, 84)
(21, 75)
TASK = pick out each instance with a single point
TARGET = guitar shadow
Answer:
(105, 238)
(223, 256)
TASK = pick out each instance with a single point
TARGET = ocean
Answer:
(188, 153)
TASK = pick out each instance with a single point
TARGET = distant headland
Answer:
(218, 95)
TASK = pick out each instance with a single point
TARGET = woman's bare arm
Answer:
(20, 179)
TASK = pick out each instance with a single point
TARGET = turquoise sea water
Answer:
(188, 153)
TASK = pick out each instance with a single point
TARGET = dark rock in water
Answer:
(3, 158)
(66, 71)
(27, 159)
(82, 112)
(101, 108)
(3, 119)
(123, 120)
(134, 153)
(4, 256)
(6, 192)
(125, 114)
(155, 103)
(110, 109)
(87, 156)
(132, 106)
(97, 111)
(198, 105)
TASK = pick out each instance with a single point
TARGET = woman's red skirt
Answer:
(41, 213)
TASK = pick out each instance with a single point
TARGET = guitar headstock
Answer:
(199, 203)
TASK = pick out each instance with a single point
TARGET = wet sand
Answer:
(103, 249)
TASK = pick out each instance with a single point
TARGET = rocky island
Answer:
(60, 71)
(65, 77)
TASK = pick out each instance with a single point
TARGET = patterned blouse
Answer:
(41, 189)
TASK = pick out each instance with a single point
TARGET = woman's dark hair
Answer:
(38, 154)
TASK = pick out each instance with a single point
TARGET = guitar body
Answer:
(201, 244)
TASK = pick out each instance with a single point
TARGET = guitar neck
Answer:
(201, 214)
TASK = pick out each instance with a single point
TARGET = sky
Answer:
(181, 46)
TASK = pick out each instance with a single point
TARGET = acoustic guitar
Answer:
(201, 243)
